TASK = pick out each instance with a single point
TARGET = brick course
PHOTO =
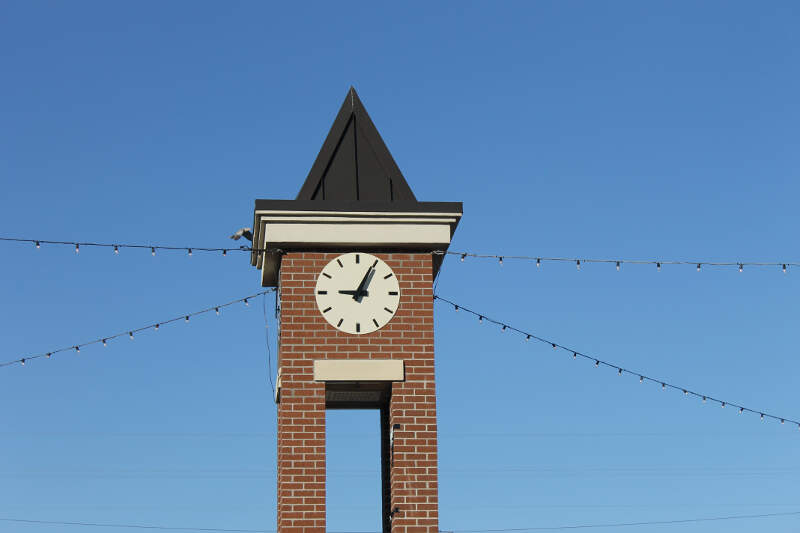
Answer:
(306, 336)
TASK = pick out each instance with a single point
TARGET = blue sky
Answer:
(614, 129)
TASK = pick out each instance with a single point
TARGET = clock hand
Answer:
(353, 293)
(363, 289)
(361, 286)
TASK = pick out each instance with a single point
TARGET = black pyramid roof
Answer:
(354, 164)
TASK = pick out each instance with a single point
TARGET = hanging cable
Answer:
(620, 370)
(578, 262)
(105, 339)
(116, 247)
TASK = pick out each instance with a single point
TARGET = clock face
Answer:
(357, 293)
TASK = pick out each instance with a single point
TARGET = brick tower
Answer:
(354, 259)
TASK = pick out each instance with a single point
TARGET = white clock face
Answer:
(357, 293)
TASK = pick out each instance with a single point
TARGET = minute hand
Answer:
(361, 291)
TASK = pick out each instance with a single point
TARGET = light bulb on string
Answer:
(217, 310)
(641, 379)
(741, 410)
(784, 269)
(619, 372)
(578, 264)
(153, 251)
(48, 354)
(38, 245)
(658, 267)
(782, 420)
(246, 302)
(723, 405)
(596, 363)
(105, 342)
(554, 345)
(190, 251)
(538, 262)
(157, 326)
(617, 266)
(663, 386)
(456, 308)
(116, 249)
(77, 248)
(463, 256)
(480, 319)
(224, 252)
(501, 259)
(685, 392)
(130, 334)
(187, 318)
(698, 267)
(77, 349)
(504, 328)
(22, 361)
(704, 399)
(741, 267)
(527, 338)
(762, 416)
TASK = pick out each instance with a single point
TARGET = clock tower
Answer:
(354, 257)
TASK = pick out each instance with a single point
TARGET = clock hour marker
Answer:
(322, 292)
(392, 293)
(388, 310)
(358, 258)
(375, 322)
(340, 263)
(387, 276)
(326, 309)
(326, 275)
(358, 326)
(340, 322)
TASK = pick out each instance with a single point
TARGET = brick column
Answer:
(305, 337)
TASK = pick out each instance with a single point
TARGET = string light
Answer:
(104, 340)
(246, 303)
(190, 251)
(456, 309)
(620, 370)
(741, 267)
(618, 262)
(578, 264)
(116, 247)
(224, 253)
(784, 269)
(22, 361)
(501, 259)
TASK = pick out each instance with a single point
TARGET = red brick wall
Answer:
(306, 336)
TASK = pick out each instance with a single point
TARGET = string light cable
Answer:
(131, 332)
(527, 336)
(618, 263)
(153, 248)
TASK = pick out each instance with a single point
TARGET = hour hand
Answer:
(355, 292)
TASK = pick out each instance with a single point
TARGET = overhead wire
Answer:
(618, 263)
(130, 332)
(619, 369)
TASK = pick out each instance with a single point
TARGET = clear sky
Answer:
(652, 130)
